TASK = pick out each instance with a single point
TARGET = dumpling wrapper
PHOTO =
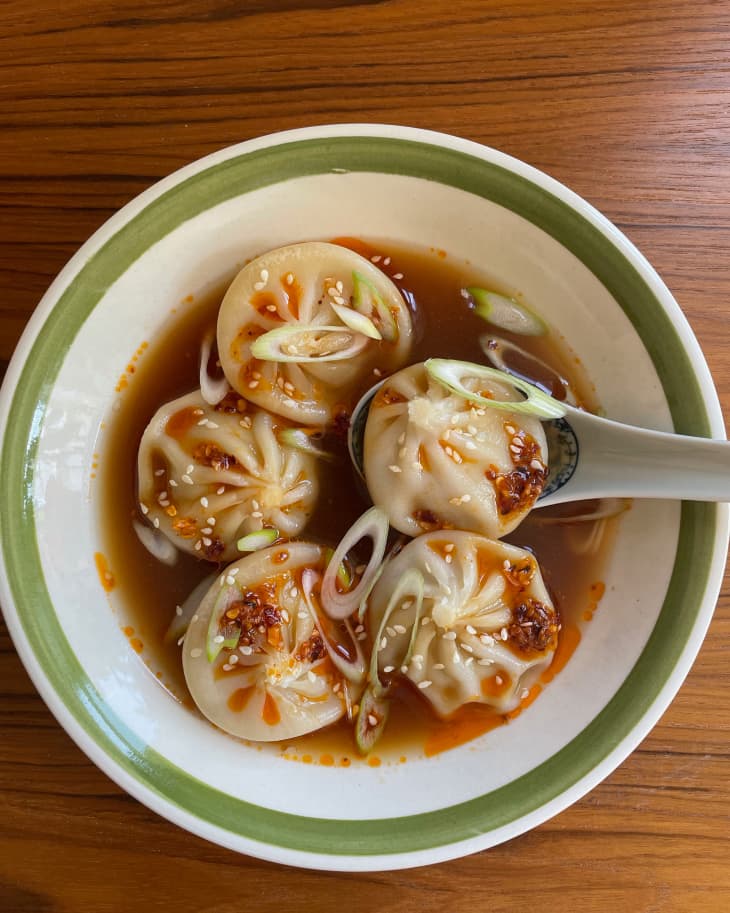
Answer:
(297, 285)
(434, 460)
(487, 628)
(281, 684)
(198, 463)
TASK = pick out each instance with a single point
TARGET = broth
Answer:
(149, 591)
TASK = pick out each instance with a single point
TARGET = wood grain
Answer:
(628, 103)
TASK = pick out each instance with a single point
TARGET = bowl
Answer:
(183, 237)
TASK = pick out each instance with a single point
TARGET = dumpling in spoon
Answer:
(434, 458)
(484, 630)
(258, 655)
(302, 326)
(208, 475)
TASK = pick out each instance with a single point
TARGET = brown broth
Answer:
(149, 591)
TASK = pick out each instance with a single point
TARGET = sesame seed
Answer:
(470, 629)
(219, 491)
(245, 650)
(401, 453)
(207, 542)
(504, 634)
(417, 658)
(194, 618)
(535, 464)
(259, 285)
(145, 510)
(226, 667)
(187, 480)
(506, 564)
(338, 299)
(311, 676)
(196, 652)
(484, 662)
(159, 472)
(457, 457)
(156, 523)
(449, 450)
(218, 639)
(332, 291)
(245, 422)
(285, 616)
(389, 669)
(395, 468)
(204, 501)
(470, 445)
(469, 660)
(198, 545)
(254, 504)
(424, 684)
(361, 568)
(448, 558)
(271, 308)
(390, 631)
(294, 591)
(426, 620)
(466, 498)
(525, 693)
(399, 629)
(203, 421)
(383, 643)
(397, 275)
(206, 530)
(178, 610)
(372, 719)
(180, 640)
(449, 547)
(172, 483)
(386, 262)
(257, 514)
(402, 438)
(377, 258)
(377, 372)
(359, 628)
(336, 687)
(449, 635)
(264, 275)
(439, 666)
(289, 278)
(233, 659)
(510, 429)
(230, 580)
(362, 636)
(211, 521)
(466, 647)
(252, 384)
(498, 680)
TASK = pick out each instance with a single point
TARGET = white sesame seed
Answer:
(257, 514)
(289, 279)
(390, 631)
(211, 521)
(230, 580)
(196, 652)
(252, 384)
(397, 275)
(449, 635)
(377, 372)
(219, 491)
(234, 571)
(336, 687)
(399, 629)
(395, 468)
(233, 659)
(466, 498)
(311, 676)
(426, 620)
(510, 429)
(448, 558)
(467, 647)
(156, 523)
(204, 501)
(362, 636)
(504, 634)
(439, 666)
(259, 285)
(172, 483)
(525, 693)
(285, 616)
(159, 472)
(207, 542)
(449, 450)
(187, 480)
(294, 591)
(469, 661)
(389, 669)
(372, 719)
(470, 629)
(449, 547)
(498, 680)
(227, 667)
(246, 650)
(271, 308)
(424, 684)
(484, 662)
(470, 445)
(359, 628)
(506, 564)
(377, 258)
(206, 530)
(401, 438)
(178, 610)
(535, 464)
(417, 658)
(386, 262)
(180, 640)
(198, 545)
(245, 422)
(145, 510)
(218, 639)
(404, 670)
(383, 643)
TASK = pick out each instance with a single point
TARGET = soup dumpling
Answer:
(253, 658)
(208, 475)
(486, 629)
(434, 460)
(302, 286)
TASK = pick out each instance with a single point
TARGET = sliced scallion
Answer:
(156, 543)
(356, 321)
(371, 719)
(349, 661)
(409, 586)
(367, 301)
(506, 313)
(301, 439)
(307, 343)
(451, 374)
(257, 540)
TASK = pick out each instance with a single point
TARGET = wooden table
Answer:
(629, 104)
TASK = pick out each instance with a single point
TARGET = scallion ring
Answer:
(301, 343)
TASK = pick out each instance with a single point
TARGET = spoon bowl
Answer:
(593, 457)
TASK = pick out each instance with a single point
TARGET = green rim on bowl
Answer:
(205, 189)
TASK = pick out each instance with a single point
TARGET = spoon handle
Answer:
(617, 460)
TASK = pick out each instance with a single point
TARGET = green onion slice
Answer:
(346, 658)
(371, 719)
(367, 300)
(451, 374)
(308, 343)
(258, 539)
(506, 313)
(411, 586)
(217, 639)
(356, 321)
(301, 439)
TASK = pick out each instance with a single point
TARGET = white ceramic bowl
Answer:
(183, 236)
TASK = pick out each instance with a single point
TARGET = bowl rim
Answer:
(708, 419)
